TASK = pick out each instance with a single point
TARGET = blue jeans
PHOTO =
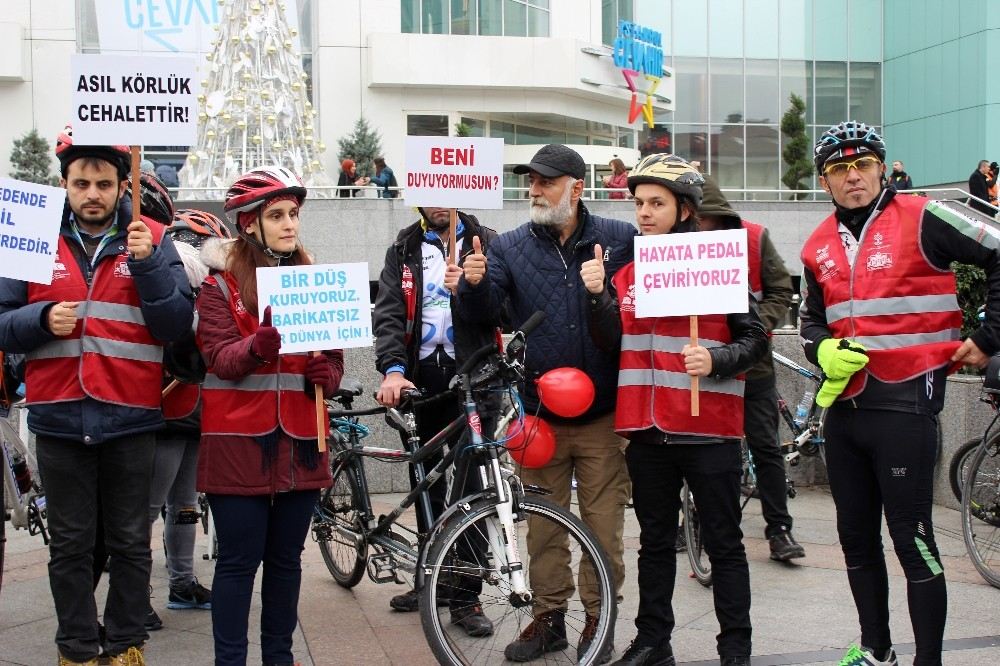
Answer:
(251, 530)
(75, 475)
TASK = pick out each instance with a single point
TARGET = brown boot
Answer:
(131, 657)
(546, 633)
(63, 661)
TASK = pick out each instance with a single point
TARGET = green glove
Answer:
(841, 358)
(830, 390)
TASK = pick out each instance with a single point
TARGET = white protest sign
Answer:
(454, 172)
(30, 216)
(324, 306)
(691, 274)
(134, 100)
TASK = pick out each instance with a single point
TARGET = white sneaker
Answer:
(862, 656)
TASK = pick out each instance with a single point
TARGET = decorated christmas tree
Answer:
(254, 110)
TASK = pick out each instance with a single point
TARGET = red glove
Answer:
(266, 341)
(319, 373)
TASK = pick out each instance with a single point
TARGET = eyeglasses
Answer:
(862, 164)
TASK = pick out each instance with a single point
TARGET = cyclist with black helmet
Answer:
(880, 316)
(94, 341)
(154, 200)
(667, 445)
(258, 461)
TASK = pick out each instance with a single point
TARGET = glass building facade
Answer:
(736, 64)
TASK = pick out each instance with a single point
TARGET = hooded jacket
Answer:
(772, 275)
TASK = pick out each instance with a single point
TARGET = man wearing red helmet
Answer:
(880, 316)
(94, 343)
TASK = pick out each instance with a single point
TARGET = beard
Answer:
(549, 215)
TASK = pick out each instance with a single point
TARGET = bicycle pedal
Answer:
(382, 568)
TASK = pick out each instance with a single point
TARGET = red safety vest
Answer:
(110, 356)
(270, 397)
(181, 402)
(892, 301)
(755, 233)
(654, 390)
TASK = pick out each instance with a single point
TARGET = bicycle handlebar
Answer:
(488, 350)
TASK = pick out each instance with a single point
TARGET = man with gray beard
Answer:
(538, 267)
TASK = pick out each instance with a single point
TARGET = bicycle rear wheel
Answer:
(697, 556)
(958, 469)
(336, 525)
(981, 512)
(461, 568)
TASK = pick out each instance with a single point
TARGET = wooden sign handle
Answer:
(453, 224)
(694, 378)
(322, 422)
(136, 186)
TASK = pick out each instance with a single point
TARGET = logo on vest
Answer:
(878, 261)
(59, 270)
(827, 266)
(628, 300)
(240, 308)
(121, 269)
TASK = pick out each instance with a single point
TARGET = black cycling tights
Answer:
(882, 460)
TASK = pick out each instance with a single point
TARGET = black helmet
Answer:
(847, 138)
(154, 200)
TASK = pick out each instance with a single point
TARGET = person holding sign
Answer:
(537, 267)
(94, 342)
(419, 342)
(771, 285)
(880, 316)
(259, 461)
(667, 445)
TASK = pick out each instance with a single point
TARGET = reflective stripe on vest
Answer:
(272, 396)
(653, 388)
(110, 356)
(892, 300)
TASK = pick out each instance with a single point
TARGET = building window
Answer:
(419, 125)
(613, 11)
(473, 126)
(511, 18)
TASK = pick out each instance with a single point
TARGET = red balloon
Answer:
(566, 392)
(533, 443)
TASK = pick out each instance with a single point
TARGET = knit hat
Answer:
(714, 203)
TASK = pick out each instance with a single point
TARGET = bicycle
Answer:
(21, 492)
(480, 541)
(806, 440)
(981, 493)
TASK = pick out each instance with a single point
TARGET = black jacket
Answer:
(901, 180)
(979, 187)
(389, 316)
(530, 268)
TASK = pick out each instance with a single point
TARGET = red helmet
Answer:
(199, 222)
(67, 152)
(253, 188)
(154, 199)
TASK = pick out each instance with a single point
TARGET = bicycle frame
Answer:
(811, 432)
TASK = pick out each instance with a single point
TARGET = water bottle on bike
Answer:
(802, 411)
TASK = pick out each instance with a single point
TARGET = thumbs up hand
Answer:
(474, 266)
(592, 271)
(266, 342)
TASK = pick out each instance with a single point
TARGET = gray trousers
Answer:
(175, 469)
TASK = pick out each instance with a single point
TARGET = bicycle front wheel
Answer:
(697, 556)
(337, 526)
(466, 566)
(981, 512)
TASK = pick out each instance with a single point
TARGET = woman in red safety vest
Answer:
(667, 445)
(259, 463)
